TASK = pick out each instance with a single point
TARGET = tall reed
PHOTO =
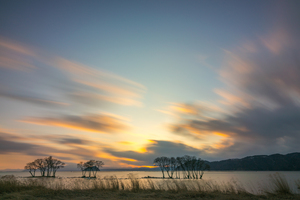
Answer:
(9, 184)
(278, 185)
(135, 183)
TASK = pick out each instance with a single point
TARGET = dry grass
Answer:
(278, 185)
(10, 184)
(298, 184)
(133, 188)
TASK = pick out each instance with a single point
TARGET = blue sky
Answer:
(128, 81)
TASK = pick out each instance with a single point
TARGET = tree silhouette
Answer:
(91, 166)
(158, 162)
(56, 164)
(49, 165)
(190, 166)
(80, 165)
(32, 168)
(41, 165)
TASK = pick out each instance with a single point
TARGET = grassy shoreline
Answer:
(133, 188)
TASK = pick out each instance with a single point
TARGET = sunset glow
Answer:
(125, 82)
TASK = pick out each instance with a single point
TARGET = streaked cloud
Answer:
(101, 85)
(26, 73)
(201, 109)
(157, 148)
(15, 56)
(63, 90)
(184, 109)
(31, 99)
(126, 143)
(14, 144)
(231, 99)
(17, 48)
(91, 123)
(70, 148)
(93, 99)
(261, 96)
(59, 105)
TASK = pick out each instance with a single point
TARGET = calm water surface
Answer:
(223, 176)
(252, 180)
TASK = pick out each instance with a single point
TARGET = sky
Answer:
(125, 82)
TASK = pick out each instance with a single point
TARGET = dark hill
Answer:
(275, 162)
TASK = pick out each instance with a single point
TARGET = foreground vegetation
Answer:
(133, 188)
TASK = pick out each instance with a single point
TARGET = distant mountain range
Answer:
(275, 162)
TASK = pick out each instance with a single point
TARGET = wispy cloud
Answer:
(31, 99)
(91, 123)
(157, 148)
(64, 90)
(201, 109)
(70, 148)
(35, 76)
(261, 98)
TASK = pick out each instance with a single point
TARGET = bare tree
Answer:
(166, 164)
(49, 165)
(172, 166)
(99, 163)
(32, 168)
(41, 165)
(80, 165)
(56, 164)
(158, 162)
(178, 166)
(190, 166)
(91, 166)
(193, 168)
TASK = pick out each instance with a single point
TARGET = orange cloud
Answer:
(109, 88)
(184, 108)
(114, 158)
(125, 143)
(123, 91)
(152, 141)
(92, 123)
(136, 166)
(198, 109)
(231, 99)
(142, 150)
(225, 143)
(221, 134)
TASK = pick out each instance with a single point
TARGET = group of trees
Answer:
(189, 166)
(47, 166)
(91, 166)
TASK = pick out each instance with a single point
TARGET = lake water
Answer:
(253, 181)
